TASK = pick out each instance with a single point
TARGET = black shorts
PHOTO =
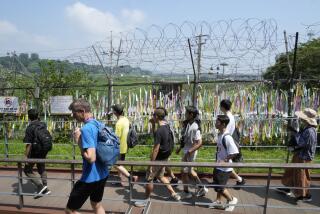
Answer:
(122, 157)
(81, 191)
(220, 178)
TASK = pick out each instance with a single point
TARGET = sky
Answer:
(60, 27)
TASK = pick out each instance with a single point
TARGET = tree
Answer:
(56, 78)
(307, 67)
(34, 57)
(24, 58)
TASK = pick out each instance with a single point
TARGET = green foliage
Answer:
(307, 67)
(55, 80)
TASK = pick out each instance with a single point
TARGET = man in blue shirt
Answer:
(94, 174)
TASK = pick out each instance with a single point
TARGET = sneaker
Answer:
(230, 204)
(186, 195)
(202, 191)
(174, 181)
(217, 205)
(175, 197)
(46, 192)
(239, 183)
(41, 191)
(142, 203)
(285, 191)
(307, 198)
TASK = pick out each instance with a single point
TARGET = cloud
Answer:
(98, 23)
(6, 28)
(13, 38)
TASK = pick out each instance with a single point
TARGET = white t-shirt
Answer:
(191, 134)
(232, 124)
(223, 153)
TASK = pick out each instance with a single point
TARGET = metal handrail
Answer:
(132, 164)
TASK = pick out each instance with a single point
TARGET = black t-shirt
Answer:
(163, 136)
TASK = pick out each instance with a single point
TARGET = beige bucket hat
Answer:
(308, 115)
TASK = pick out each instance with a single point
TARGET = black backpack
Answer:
(42, 139)
(236, 135)
(132, 138)
(238, 157)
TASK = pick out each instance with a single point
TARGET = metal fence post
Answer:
(288, 156)
(20, 190)
(72, 175)
(6, 146)
(267, 192)
(73, 143)
(130, 185)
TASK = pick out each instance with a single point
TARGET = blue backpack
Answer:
(108, 146)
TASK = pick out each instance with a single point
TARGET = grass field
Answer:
(142, 152)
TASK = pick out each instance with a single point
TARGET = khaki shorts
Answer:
(189, 158)
(155, 172)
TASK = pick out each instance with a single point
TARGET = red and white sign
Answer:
(9, 105)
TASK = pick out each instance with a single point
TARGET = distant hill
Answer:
(32, 63)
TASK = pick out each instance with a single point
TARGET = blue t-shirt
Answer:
(91, 172)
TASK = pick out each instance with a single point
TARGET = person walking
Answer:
(33, 150)
(122, 130)
(226, 149)
(94, 173)
(162, 149)
(190, 144)
(303, 145)
(225, 107)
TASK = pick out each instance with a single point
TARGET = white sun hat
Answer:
(308, 115)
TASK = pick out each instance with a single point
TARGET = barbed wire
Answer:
(246, 46)
(232, 46)
(227, 46)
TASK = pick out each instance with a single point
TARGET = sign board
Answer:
(59, 105)
(9, 105)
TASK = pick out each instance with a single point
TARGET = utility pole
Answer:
(292, 76)
(236, 72)
(292, 71)
(111, 72)
(223, 65)
(197, 78)
(194, 98)
(200, 43)
(36, 93)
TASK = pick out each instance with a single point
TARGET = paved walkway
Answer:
(116, 198)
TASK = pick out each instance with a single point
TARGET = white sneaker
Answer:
(186, 195)
(141, 203)
(202, 191)
(217, 205)
(176, 197)
(40, 192)
(229, 207)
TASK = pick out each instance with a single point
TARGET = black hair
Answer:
(226, 104)
(118, 109)
(33, 114)
(224, 119)
(193, 110)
